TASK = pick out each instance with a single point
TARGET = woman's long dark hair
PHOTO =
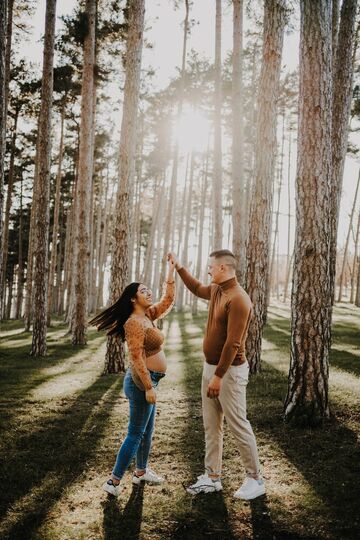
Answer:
(114, 317)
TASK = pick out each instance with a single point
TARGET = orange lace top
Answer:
(144, 338)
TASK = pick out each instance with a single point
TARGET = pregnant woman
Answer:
(132, 318)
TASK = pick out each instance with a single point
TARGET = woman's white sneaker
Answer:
(205, 484)
(149, 476)
(250, 489)
(111, 488)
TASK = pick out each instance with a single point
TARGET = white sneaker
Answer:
(250, 489)
(109, 487)
(205, 484)
(150, 477)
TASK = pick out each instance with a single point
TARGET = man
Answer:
(225, 374)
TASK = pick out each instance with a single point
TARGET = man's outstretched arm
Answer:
(193, 284)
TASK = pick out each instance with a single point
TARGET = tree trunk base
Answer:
(305, 415)
(115, 356)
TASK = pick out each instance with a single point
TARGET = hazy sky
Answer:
(165, 32)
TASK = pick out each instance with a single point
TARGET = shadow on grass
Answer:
(124, 524)
(42, 464)
(346, 361)
(328, 458)
(21, 373)
(203, 516)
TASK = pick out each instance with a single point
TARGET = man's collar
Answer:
(228, 284)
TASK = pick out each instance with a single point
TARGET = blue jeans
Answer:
(140, 429)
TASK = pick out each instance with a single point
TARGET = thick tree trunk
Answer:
(114, 361)
(342, 85)
(84, 185)
(346, 248)
(307, 398)
(3, 12)
(42, 190)
(261, 204)
(238, 179)
(217, 178)
(55, 231)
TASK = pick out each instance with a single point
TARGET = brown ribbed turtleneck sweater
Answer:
(230, 312)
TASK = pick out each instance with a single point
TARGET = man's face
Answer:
(215, 270)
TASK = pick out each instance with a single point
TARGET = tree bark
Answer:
(342, 85)
(55, 231)
(20, 271)
(9, 195)
(307, 402)
(217, 178)
(114, 361)
(261, 203)
(84, 185)
(3, 13)
(346, 248)
(238, 179)
(42, 190)
(356, 250)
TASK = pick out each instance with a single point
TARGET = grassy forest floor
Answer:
(61, 422)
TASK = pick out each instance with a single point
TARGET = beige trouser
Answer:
(231, 403)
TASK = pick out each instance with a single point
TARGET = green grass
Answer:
(61, 423)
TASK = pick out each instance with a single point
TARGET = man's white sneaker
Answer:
(204, 484)
(150, 477)
(250, 489)
(110, 487)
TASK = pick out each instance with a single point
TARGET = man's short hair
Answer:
(227, 255)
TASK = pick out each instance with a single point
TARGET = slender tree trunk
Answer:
(84, 184)
(20, 272)
(288, 263)
(261, 203)
(238, 179)
(357, 295)
(10, 294)
(9, 196)
(342, 85)
(3, 13)
(55, 231)
(342, 273)
(185, 251)
(172, 194)
(149, 256)
(356, 250)
(204, 185)
(42, 190)
(217, 178)
(307, 402)
(114, 361)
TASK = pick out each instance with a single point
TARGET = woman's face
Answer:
(144, 296)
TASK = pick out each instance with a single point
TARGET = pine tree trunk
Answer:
(204, 185)
(185, 251)
(55, 231)
(149, 255)
(20, 272)
(84, 185)
(342, 273)
(238, 179)
(356, 250)
(257, 251)
(9, 196)
(42, 190)
(307, 398)
(342, 86)
(169, 211)
(217, 178)
(10, 294)
(3, 13)
(114, 361)
(288, 262)
(357, 296)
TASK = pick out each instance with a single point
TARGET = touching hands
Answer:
(214, 386)
(172, 258)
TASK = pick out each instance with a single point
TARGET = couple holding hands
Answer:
(224, 377)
